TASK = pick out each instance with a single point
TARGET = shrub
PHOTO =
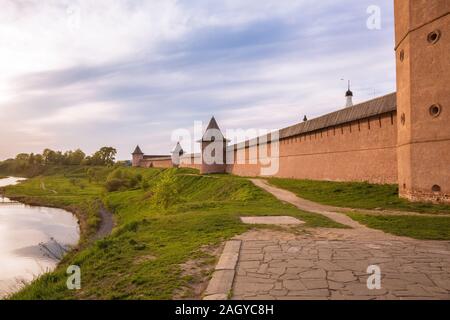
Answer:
(165, 191)
(121, 180)
(114, 184)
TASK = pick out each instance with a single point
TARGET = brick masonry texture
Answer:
(363, 150)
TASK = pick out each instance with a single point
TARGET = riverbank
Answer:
(86, 222)
(158, 249)
(32, 240)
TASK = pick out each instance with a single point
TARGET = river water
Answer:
(31, 240)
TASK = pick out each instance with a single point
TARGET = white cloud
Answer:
(45, 35)
(79, 115)
(84, 73)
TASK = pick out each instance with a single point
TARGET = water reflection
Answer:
(22, 229)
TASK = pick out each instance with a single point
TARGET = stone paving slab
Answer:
(273, 220)
(221, 283)
(229, 256)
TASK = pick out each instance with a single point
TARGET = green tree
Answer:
(76, 157)
(59, 157)
(23, 157)
(65, 159)
(104, 157)
(87, 161)
(31, 159)
(49, 156)
(39, 159)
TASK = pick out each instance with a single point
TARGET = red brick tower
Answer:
(138, 156)
(423, 98)
(214, 147)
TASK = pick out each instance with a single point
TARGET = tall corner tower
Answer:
(214, 149)
(422, 30)
(138, 156)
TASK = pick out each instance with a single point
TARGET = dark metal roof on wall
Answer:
(360, 111)
(371, 108)
(157, 157)
(191, 155)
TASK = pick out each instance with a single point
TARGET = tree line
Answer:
(30, 163)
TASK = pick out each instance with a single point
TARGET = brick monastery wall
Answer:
(164, 163)
(364, 150)
(189, 161)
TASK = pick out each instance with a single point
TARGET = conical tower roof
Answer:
(137, 150)
(210, 129)
(213, 124)
(178, 148)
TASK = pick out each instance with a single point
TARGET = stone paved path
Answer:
(332, 263)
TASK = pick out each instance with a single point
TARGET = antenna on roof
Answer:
(349, 96)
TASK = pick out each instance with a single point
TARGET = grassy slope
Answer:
(430, 228)
(141, 259)
(355, 195)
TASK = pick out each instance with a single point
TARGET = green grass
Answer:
(142, 258)
(426, 227)
(359, 195)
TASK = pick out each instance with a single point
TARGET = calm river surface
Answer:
(22, 231)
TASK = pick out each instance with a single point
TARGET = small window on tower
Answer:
(434, 36)
(435, 110)
(436, 188)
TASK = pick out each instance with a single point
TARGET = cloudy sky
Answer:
(84, 74)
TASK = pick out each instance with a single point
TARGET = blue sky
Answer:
(84, 74)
